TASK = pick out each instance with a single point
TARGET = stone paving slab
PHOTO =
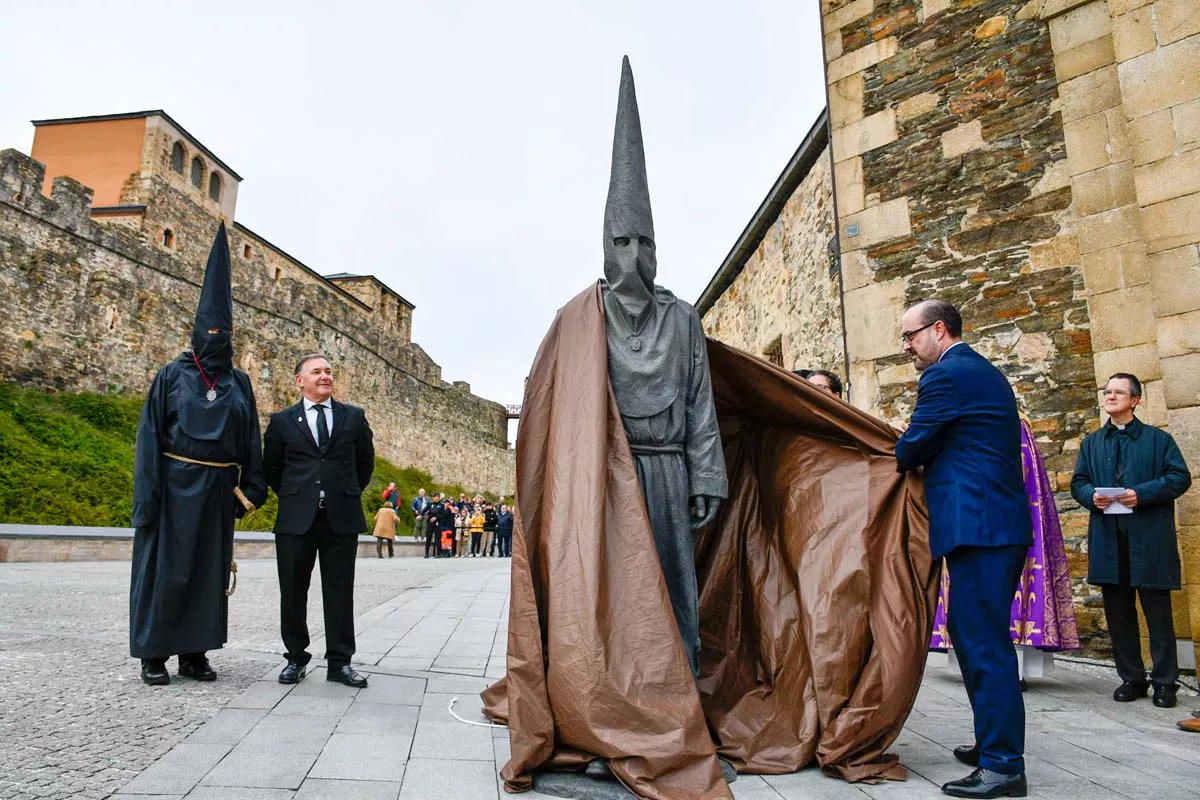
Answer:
(398, 739)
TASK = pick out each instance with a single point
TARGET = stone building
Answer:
(1038, 164)
(104, 233)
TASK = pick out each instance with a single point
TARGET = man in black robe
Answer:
(197, 442)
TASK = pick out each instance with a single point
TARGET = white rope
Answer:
(450, 708)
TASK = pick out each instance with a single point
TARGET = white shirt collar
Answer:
(951, 347)
(308, 404)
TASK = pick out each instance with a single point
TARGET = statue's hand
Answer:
(704, 510)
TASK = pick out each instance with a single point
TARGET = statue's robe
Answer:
(659, 376)
(816, 585)
(183, 514)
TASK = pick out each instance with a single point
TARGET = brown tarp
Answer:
(817, 587)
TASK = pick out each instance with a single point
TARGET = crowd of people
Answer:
(462, 528)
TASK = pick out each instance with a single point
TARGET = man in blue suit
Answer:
(966, 433)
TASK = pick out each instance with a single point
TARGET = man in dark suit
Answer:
(318, 457)
(966, 433)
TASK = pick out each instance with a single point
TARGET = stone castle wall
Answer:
(785, 301)
(98, 307)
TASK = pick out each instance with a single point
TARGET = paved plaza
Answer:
(76, 721)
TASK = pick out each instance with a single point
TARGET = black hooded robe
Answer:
(183, 514)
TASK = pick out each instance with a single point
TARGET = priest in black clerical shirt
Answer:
(197, 442)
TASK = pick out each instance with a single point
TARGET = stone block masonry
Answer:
(784, 302)
(1034, 163)
(94, 306)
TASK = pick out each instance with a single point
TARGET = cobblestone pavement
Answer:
(76, 720)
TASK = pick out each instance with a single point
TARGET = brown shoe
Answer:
(1190, 725)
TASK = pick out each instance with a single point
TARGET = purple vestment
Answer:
(1043, 611)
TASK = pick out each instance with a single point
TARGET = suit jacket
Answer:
(298, 470)
(966, 432)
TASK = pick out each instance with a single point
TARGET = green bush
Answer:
(68, 460)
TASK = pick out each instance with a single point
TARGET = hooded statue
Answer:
(658, 369)
(815, 579)
(197, 442)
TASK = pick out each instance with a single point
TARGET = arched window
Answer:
(197, 172)
(177, 158)
(168, 238)
(214, 186)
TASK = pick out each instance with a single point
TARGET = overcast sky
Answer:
(457, 150)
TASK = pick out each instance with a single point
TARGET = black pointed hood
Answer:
(215, 311)
(630, 270)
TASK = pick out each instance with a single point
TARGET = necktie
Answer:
(322, 425)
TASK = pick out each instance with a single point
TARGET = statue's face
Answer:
(630, 261)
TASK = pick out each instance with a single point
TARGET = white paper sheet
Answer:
(1116, 507)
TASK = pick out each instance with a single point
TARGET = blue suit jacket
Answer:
(966, 433)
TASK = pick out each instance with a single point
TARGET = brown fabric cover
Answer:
(816, 586)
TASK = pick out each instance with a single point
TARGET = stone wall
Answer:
(1127, 73)
(785, 293)
(952, 181)
(97, 307)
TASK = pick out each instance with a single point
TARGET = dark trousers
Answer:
(294, 558)
(379, 542)
(983, 581)
(476, 538)
(504, 544)
(433, 540)
(1120, 612)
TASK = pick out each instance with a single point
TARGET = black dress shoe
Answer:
(292, 673)
(1129, 691)
(986, 783)
(967, 754)
(1164, 694)
(154, 672)
(344, 674)
(197, 668)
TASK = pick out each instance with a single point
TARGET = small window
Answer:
(774, 352)
(278, 273)
(168, 238)
(197, 173)
(214, 186)
(177, 158)
(247, 253)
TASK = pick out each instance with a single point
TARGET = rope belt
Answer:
(187, 460)
(656, 449)
(237, 493)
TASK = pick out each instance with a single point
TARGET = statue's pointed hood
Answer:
(630, 267)
(215, 311)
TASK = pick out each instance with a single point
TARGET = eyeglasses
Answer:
(1115, 392)
(907, 336)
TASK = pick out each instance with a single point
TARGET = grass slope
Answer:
(68, 460)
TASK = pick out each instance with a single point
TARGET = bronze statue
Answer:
(658, 369)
